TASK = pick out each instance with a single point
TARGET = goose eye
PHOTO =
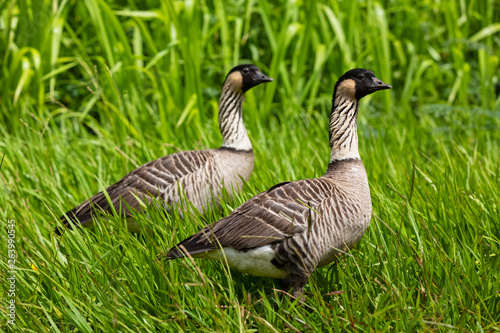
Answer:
(245, 70)
(361, 76)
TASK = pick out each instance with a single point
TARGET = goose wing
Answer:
(282, 211)
(144, 182)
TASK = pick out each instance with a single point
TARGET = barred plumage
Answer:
(195, 176)
(295, 227)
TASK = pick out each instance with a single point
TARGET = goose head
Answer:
(357, 83)
(244, 77)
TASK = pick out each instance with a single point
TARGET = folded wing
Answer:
(145, 182)
(271, 216)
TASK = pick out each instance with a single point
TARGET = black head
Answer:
(245, 77)
(357, 83)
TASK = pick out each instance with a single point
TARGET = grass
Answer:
(92, 89)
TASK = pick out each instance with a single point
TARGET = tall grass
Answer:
(92, 89)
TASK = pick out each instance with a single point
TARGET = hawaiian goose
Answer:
(194, 176)
(295, 227)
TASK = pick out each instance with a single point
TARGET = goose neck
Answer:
(231, 125)
(343, 129)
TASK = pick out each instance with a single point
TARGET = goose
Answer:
(196, 176)
(295, 227)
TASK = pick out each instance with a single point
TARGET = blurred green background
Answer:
(92, 89)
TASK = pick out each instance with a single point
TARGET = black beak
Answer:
(377, 85)
(261, 78)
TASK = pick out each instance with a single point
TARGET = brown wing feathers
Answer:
(268, 217)
(145, 181)
(121, 194)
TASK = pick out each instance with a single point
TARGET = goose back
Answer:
(193, 176)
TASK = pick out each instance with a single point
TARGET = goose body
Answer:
(286, 225)
(198, 177)
(295, 227)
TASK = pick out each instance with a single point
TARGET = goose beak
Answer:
(261, 78)
(377, 85)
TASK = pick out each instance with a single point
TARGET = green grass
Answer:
(92, 89)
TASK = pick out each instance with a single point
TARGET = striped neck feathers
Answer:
(343, 125)
(231, 125)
